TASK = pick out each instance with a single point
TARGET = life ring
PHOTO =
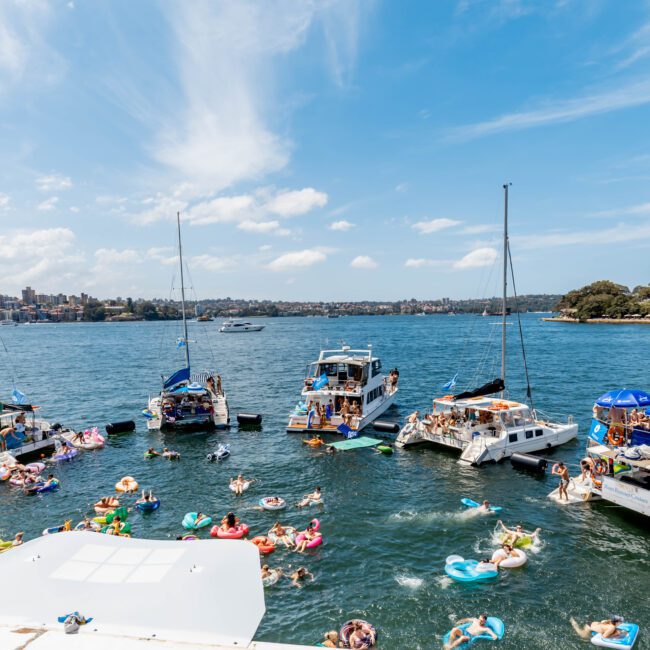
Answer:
(267, 505)
(601, 466)
(369, 630)
(264, 544)
(616, 435)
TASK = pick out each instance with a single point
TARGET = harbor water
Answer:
(388, 522)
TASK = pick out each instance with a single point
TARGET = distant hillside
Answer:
(605, 299)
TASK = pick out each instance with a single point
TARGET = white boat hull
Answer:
(245, 328)
(298, 423)
(219, 419)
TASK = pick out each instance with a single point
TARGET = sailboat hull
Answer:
(189, 422)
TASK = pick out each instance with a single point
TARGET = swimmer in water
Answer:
(316, 496)
(485, 508)
(300, 574)
(331, 640)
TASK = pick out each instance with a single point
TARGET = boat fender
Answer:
(529, 462)
(120, 427)
(386, 427)
(249, 418)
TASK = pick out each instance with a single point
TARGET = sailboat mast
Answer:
(505, 286)
(180, 255)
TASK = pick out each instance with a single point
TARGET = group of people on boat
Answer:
(443, 422)
(16, 432)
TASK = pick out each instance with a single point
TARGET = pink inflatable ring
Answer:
(317, 541)
(237, 532)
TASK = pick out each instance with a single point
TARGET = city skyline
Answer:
(340, 151)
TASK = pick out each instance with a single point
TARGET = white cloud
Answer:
(342, 225)
(641, 208)
(363, 262)
(163, 254)
(419, 262)
(212, 263)
(110, 260)
(4, 201)
(47, 257)
(297, 259)
(479, 229)
(74, 208)
(53, 183)
(111, 199)
(434, 225)
(620, 233)
(223, 209)
(265, 247)
(48, 204)
(477, 258)
(259, 226)
(160, 207)
(296, 202)
(567, 110)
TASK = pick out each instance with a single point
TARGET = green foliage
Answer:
(605, 299)
(94, 311)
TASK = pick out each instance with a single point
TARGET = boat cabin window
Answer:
(539, 432)
(330, 369)
(376, 367)
(513, 437)
(529, 435)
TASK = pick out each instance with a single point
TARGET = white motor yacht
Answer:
(233, 326)
(344, 387)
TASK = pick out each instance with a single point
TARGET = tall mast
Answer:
(505, 286)
(180, 255)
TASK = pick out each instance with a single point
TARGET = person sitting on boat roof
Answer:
(210, 385)
(608, 629)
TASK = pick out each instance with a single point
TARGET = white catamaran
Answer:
(344, 388)
(188, 401)
(486, 428)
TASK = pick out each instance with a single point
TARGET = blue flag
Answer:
(347, 431)
(320, 382)
(451, 383)
(17, 397)
(598, 431)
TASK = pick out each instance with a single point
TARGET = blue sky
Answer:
(323, 150)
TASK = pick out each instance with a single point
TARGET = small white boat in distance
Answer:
(343, 387)
(232, 326)
(485, 429)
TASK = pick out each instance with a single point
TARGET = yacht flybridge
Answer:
(344, 391)
(484, 428)
(188, 401)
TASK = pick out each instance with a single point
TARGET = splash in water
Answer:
(409, 581)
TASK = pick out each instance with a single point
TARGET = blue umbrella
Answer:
(624, 398)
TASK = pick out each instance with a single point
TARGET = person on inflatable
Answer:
(361, 637)
(476, 628)
(509, 552)
(308, 498)
(50, 481)
(310, 535)
(279, 531)
(18, 539)
(238, 484)
(485, 508)
(199, 518)
(228, 522)
(152, 452)
(148, 498)
(512, 535)
(608, 628)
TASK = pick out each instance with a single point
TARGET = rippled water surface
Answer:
(388, 521)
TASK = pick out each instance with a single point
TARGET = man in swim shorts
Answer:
(477, 626)
(562, 471)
